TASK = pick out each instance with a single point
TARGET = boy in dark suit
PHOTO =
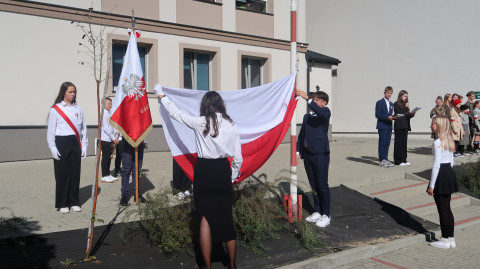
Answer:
(384, 115)
(313, 147)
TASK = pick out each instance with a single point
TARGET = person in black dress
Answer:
(217, 139)
(401, 127)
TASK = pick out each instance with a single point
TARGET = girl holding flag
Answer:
(217, 139)
(67, 140)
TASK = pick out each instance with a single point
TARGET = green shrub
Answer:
(307, 235)
(11, 226)
(471, 179)
(168, 226)
(256, 217)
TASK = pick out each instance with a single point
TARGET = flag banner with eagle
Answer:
(130, 110)
(262, 115)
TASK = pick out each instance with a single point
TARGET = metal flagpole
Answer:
(293, 124)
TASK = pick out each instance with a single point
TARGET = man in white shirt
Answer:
(108, 137)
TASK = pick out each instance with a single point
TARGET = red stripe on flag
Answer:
(254, 153)
(133, 115)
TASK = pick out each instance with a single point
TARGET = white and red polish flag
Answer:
(130, 110)
(262, 115)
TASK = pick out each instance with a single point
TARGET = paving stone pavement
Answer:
(464, 256)
(28, 188)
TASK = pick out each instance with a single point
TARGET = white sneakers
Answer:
(64, 210)
(324, 221)
(314, 217)
(405, 164)
(320, 220)
(109, 179)
(75, 208)
(444, 243)
(182, 195)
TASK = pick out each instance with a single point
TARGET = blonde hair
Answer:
(444, 133)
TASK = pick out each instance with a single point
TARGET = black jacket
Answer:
(402, 122)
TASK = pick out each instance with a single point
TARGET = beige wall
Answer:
(168, 10)
(95, 4)
(253, 23)
(199, 14)
(148, 9)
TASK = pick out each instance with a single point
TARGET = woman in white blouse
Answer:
(217, 139)
(67, 140)
(443, 181)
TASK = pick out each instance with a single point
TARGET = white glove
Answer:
(84, 152)
(158, 90)
(55, 154)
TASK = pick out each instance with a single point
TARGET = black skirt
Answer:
(446, 180)
(213, 196)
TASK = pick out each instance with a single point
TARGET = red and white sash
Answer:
(69, 122)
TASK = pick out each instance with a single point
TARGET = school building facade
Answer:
(197, 44)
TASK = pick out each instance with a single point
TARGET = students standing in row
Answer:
(402, 127)
(384, 115)
(108, 137)
(443, 181)
(470, 104)
(313, 147)
(217, 139)
(456, 125)
(67, 140)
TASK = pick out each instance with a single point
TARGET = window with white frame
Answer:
(197, 70)
(252, 72)
(118, 56)
(252, 5)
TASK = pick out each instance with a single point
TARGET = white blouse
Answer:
(57, 126)
(440, 155)
(225, 144)
(108, 132)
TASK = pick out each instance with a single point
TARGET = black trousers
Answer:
(106, 152)
(316, 167)
(180, 180)
(400, 146)
(447, 221)
(118, 157)
(67, 171)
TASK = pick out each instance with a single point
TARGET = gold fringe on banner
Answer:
(128, 138)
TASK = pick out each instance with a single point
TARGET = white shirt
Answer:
(57, 126)
(108, 132)
(225, 144)
(388, 104)
(440, 155)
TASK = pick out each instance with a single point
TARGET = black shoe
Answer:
(124, 201)
(140, 198)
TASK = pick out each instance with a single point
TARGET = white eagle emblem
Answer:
(133, 87)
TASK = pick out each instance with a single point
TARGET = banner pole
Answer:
(136, 174)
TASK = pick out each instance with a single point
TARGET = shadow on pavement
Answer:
(85, 193)
(420, 150)
(365, 159)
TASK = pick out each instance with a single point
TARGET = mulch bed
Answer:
(357, 220)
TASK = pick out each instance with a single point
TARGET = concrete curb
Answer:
(365, 252)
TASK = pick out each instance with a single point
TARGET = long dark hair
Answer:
(400, 102)
(212, 103)
(63, 90)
